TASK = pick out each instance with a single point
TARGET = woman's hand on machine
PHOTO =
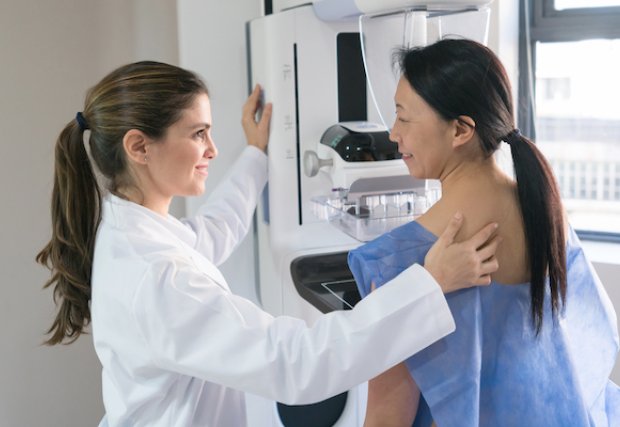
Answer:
(256, 129)
(462, 265)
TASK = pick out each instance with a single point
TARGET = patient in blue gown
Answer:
(537, 346)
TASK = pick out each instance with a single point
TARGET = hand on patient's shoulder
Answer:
(465, 264)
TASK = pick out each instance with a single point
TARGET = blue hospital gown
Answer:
(494, 370)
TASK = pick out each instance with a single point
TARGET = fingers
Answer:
(266, 116)
(489, 266)
(488, 261)
(486, 268)
(487, 251)
(256, 129)
(453, 227)
(252, 104)
(482, 280)
(483, 235)
(462, 265)
(254, 97)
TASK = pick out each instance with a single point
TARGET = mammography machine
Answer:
(335, 179)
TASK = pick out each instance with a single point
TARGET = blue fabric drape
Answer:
(494, 370)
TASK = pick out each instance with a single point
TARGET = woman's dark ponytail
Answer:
(76, 213)
(540, 202)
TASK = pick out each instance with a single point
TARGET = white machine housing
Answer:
(342, 9)
(293, 56)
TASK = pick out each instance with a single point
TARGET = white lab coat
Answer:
(179, 349)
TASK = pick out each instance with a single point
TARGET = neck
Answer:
(135, 195)
(476, 174)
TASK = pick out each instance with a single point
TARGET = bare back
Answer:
(483, 201)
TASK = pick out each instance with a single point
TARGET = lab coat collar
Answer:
(133, 211)
(126, 215)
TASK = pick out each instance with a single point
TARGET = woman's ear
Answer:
(464, 130)
(135, 143)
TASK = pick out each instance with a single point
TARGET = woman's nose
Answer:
(393, 135)
(211, 151)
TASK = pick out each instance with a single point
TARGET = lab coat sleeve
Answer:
(225, 218)
(197, 328)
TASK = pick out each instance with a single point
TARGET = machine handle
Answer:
(312, 163)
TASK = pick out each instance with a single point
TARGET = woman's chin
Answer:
(415, 172)
(197, 190)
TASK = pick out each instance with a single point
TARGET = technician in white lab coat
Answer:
(176, 346)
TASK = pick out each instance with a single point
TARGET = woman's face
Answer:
(423, 137)
(179, 162)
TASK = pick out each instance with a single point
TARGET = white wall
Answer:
(51, 52)
(212, 43)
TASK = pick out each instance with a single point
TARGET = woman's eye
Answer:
(200, 134)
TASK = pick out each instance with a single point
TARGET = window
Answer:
(580, 4)
(569, 90)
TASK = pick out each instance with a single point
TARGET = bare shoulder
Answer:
(496, 204)
(476, 213)
(436, 218)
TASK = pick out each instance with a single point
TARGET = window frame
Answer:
(539, 21)
(549, 24)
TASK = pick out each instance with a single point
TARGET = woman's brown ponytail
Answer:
(76, 202)
(148, 96)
